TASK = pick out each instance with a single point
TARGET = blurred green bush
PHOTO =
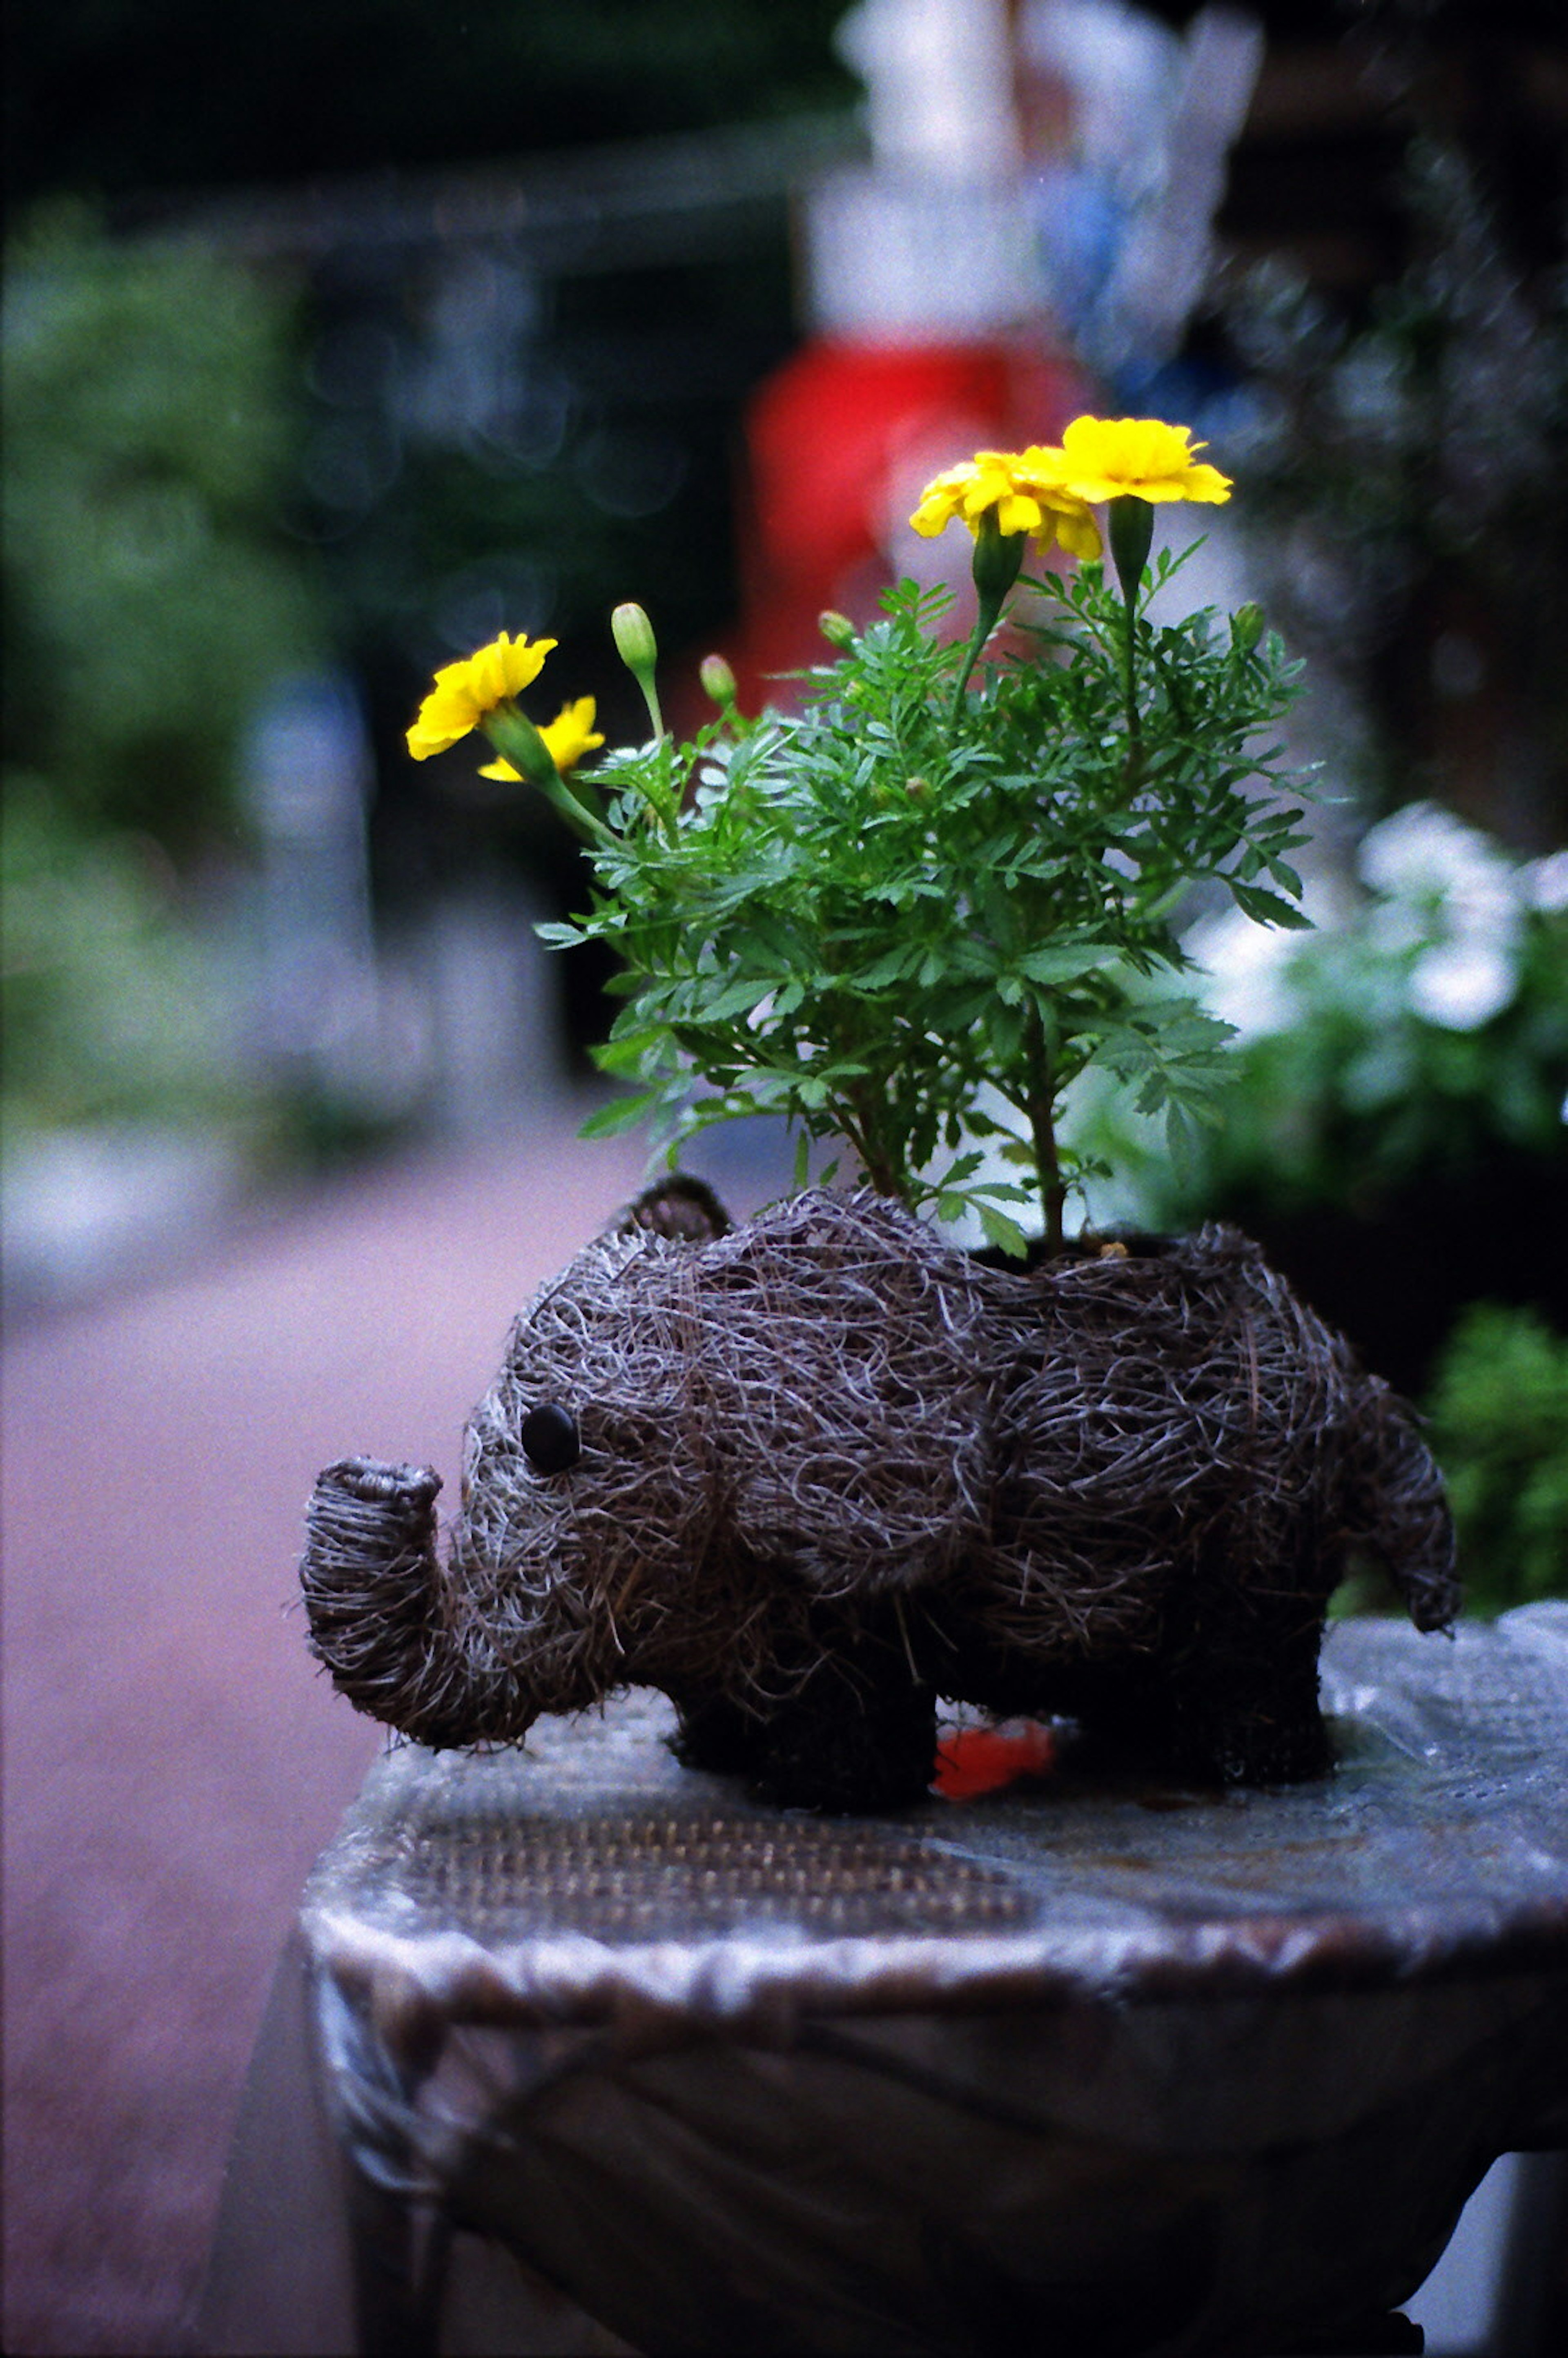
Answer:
(112, 1004)
(150, 589)
(1395, 1135)
(1499, 1428)
(150, 595)
(1419, 1034)
(1401, 470)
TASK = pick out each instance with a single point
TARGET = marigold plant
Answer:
(908, 916)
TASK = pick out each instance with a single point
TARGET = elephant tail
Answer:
(375, 1598)
(1395, 1503)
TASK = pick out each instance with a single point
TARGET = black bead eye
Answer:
(550, 1440)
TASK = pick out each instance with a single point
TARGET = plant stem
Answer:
(1129, 691)
(876, 1165)
(982, 632)
(1038, 1108)
(998, 555)
(1053, 1186)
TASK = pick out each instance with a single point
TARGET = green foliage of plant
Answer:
(909, 919)
(1500, 1430)
(150, 592)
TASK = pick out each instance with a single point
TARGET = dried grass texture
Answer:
(792, 1412)
(1182, 1405)
(830, 1414)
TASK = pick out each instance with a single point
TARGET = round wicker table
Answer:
(612, 2058)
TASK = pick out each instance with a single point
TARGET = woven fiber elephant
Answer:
(810, 1474)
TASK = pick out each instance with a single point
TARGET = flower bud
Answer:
(918, 789)
(634, 640)
(1246, 628)
(718, 681)
(1132, 533)
(997, 559)
(639, 651)
(836, 629)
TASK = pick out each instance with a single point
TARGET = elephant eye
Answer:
(550, 1440)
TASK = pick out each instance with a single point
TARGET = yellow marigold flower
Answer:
(1113, 458)
(465, 692)
(571, 733)
(570, 736)
(1026, 497)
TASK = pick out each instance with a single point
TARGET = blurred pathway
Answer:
(173, 1760)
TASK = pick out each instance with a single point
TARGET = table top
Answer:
(589, 1879)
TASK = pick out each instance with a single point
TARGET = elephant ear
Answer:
(681, 1207)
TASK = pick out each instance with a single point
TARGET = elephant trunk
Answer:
(382, 1616)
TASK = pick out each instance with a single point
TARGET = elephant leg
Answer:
(853, 1729)
(1240, 1672)
(846, 1749)
(714, 1733)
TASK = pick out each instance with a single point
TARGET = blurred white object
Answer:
(1463, 984)
(1121, 67)
(939, 84)
(1169, 250)
(1422, 848)
(922, 260)
(1437, 876)
(934, 239)
(957, 231)
(307, 777)
(1126, 217)
(1444, 922)
(1546, 881)
(1244, 963)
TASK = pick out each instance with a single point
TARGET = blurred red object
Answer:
(825, 430)
(837, 442)
(982, 1759)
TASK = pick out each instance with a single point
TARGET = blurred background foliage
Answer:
(150, 596)
(254, 434)
(1395, 1133)
(114, 1003)
(1499, 1428)
(1404, 464)
(150, 590)
(1395, 1139)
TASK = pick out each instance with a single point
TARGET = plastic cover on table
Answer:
(1137, 2067)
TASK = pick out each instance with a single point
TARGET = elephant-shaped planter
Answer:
(810, 1474)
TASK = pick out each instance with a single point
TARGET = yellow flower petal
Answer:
(1026, 498)
(571, 733)
(1078, 533)
(1108, 457)
(464, 692)
(941, 501)
(1016, 513)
